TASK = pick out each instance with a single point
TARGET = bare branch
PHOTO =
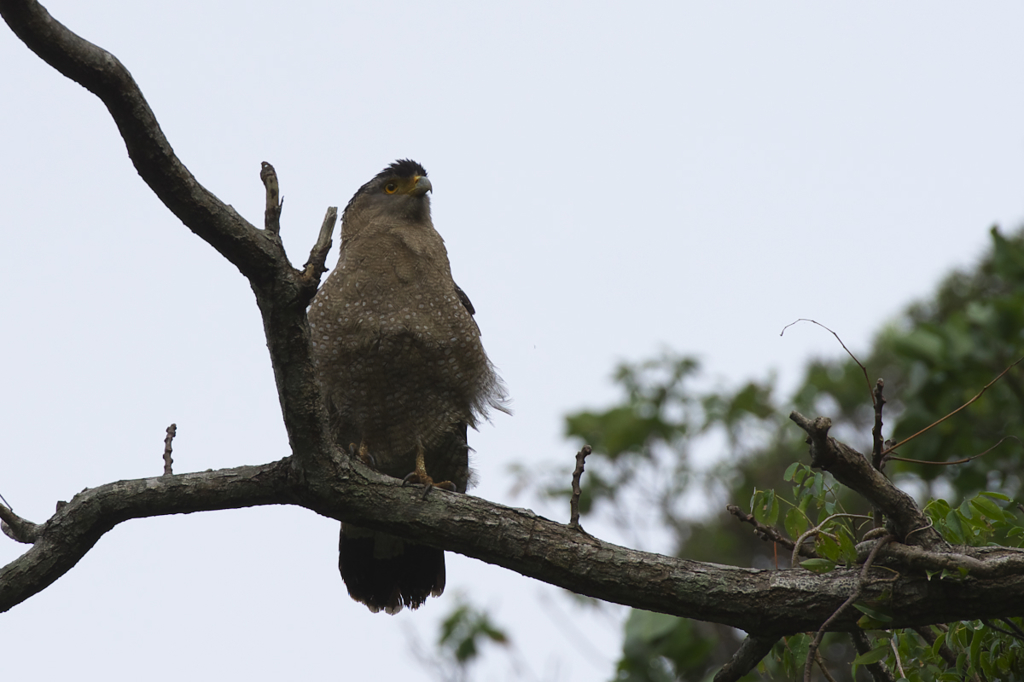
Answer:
(768, 533)
(17, 528)
(574, 501)
(102, 74)
(172, 430)
(272, 214)
(876, 432)
(822, 667)
(281, 292)
(963, 460)
(854, 471)
(746, 658)
(962, 407)
(863, 369)
(76, 526)
(1015, 633)
(316, 266)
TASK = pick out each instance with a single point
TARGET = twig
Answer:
(862, 644)
(816, 642)
(768, 533)
(1013, 626)
(959, 461)
(172, 430)
(17, 528)
(862, 367)
(574, 501)
(746, 658)
(1016, 635)
(272, 215)
(896, 653)
(936, 423)
(316, 266)
(817, 529)
(821, 666)
(876, 432)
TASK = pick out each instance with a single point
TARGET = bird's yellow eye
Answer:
(390, 188)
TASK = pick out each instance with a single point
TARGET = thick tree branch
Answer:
(282, 292)
(77, 525)
(763, 602)
(253, 252)
(767, 603)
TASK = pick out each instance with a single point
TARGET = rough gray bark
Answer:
(765, 603)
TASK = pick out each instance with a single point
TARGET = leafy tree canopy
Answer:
(935, 357)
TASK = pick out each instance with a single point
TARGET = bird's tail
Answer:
(385, 572)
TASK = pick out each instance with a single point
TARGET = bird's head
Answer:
(397, 193)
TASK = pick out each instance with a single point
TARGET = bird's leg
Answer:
(363, 454)
(419, 475)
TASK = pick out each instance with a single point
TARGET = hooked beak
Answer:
(421, 186)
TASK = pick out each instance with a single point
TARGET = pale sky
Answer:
(610, 179)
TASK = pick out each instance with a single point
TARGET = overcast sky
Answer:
(610, 179)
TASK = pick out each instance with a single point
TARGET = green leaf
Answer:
(873, 656)
(818, 565)
(954, 529)
(796, 523)
(987, 665)
(847, 547)
(869, 623)
(939, 641)
(766, 507)
(790, 470)
(874, 613)
(997, 496)
(827, 547)
(976, 651)
(988, 508)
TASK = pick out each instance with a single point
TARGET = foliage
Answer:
(933, 358)
(465, 629)
(464, 632)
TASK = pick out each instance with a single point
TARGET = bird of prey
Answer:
(402, 371)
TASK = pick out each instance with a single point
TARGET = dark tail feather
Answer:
(387, 573)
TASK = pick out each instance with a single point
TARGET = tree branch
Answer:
(17, 528)
(282, 292)
(78, 525)
(254, 253)
(767, 603)
(746, 658)
(879, 673)
(853, 470)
